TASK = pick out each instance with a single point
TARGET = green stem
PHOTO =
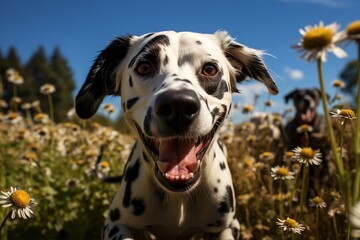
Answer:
(357, 134)
(5, 219)
(335, 227)
(51, 106)
(317, 223)
(338, 161)
(294, 188)
(303, 189)
(281, 205)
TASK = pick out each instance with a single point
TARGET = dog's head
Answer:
(305, 102)
(175, 89)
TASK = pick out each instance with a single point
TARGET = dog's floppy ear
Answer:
(247, 62)
(290, 95)
(101, 79)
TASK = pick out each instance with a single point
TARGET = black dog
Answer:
(306, 102)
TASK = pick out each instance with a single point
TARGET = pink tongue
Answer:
(306, 117)
(177, 159)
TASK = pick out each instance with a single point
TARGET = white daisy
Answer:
(47, 89)
(307, 155)
(352, 32)
(291, 225)
(317, 202)
(344, 114)
(20, 202)
(281, 173)
(318, 40)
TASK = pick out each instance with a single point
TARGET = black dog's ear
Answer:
(247, 62)
(290, 95)
(101, 79)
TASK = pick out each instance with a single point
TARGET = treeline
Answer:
(40, 69)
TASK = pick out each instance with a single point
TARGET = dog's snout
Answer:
(177, 108)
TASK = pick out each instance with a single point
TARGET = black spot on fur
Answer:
(166, 60)
(131, 174)
(131, 102)
(235, 232)
(153, 46)
(145, 158)
(215, 190)
(174, 75)
(198, 42)
(219, 181)
(147, 121)
(115, 229)
(222, 166)
(139, 206)
(222, 88)
(130, 82)
(123, 107)
(215, 113)
(228, 201)
(114, 214)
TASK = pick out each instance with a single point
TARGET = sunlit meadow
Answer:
(50, 176)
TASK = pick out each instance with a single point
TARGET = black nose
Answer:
(177, 108)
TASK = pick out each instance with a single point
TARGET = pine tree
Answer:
(12, 60)
(64, 83)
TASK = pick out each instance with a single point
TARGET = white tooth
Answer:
(163, 166)
(182, 177)
(177, 177)
(191, 175)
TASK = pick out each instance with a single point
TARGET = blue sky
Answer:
(81, 28)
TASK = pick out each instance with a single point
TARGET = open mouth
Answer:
(177, 159)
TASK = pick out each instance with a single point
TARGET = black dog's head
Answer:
(305, 101)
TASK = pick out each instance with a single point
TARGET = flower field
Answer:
(51, 172)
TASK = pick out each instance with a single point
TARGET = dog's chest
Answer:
(144, 205)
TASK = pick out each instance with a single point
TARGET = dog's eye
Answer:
(209, 70)
(144, 68)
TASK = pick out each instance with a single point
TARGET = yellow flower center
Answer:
(338, 83)
(282, 171)
(104, 164)
(266, 155)
(31, 156)
(317, 200)
(40, 116)
(248, 108)
(307, 153)
(12, 116)
(347, 113)
(268, 103)
(249, 162)
(304, 128)
(291, 223)
(20, 198)
(317, 37)
(289, 154)
(353, 28)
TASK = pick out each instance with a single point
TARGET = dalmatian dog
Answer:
(175, 90)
